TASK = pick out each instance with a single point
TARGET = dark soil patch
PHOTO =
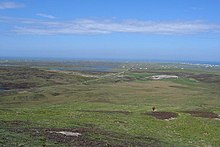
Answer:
(108, 112)
(162, 115)
(72, 140)
(109, 138)
(52, 135)
(202, 114)
(181, 87)
(55, 94)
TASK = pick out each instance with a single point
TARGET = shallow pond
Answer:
(2, 89)
(86, 68)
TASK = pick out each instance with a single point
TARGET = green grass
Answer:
(101, 103)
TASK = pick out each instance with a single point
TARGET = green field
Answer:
(109, 105)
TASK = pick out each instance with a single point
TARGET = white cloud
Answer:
(195, 8)
(10, 5)
(46, 15)
(91, 26)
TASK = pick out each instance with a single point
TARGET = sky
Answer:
(186, 30)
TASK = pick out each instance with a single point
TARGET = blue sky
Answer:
(113, 29)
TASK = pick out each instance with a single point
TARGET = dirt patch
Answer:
(203, 114)
(60, 136)
(176, 86)
(82, 140)
(108, 112)
(162, 115)
(71, 140)
(55, 94)
(64, 136)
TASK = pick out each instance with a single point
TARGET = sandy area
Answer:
(159, 77)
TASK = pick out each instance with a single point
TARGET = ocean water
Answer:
(29, 59)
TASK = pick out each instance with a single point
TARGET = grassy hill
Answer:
(111, 107)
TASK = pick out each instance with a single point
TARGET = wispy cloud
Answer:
(195, 8)
(46, 15)
(91, 26)
(10, 5)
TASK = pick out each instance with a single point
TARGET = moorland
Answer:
(103, 103)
